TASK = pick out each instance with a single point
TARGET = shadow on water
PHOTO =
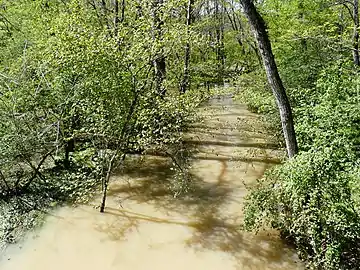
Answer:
(238, 115)
(201, 225)
(200, 209)
(234, 144)
(204, 208)
(241, 159)
(208, 128)
(246, 134)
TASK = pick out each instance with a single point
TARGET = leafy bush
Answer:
(162, 121)
(254, 91)
(330, 111)
(313, 199)
(309, 199)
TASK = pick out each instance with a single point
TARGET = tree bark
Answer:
(219, 31)
(186, 79)
(356, 33)
(116, 18)
(159, 61)
(103, 6)
(106, 183)
(123, 4)
(260, 32)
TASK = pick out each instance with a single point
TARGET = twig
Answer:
(4, 180)
(37, 169)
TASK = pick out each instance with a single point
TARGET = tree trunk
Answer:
(69, 148)
(103, 6)
(219, 31)
(123, 4)
(159, 58)
(120, 147)
(259, 28)
(106, 183)
(186, 79)
(236, 27)
(70, 144)
(356, 33)
(116, 19)
(104, 9)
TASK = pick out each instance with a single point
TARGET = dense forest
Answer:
(84, 83)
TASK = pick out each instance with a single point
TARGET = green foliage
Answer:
(309, 199)
(306, 35)
(313, 199)
(75, 89)
(254, 91)
(162, 121)
(330, 112)
(77, 86)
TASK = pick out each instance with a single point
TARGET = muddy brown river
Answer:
(146, 228)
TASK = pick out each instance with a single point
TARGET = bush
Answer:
(254, 91)
(309, 199)
(313, 199)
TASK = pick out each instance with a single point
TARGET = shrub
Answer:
(309, 199)
(313, 199)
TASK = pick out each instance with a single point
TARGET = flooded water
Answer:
(145, 227)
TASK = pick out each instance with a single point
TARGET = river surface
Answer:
(146, 228)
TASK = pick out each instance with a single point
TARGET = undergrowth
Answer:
(313, 199)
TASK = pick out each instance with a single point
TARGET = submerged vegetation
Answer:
(84, 83)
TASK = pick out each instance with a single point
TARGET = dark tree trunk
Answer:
(103, 6)
(116, 18)
(278, 89)
(236, 27)
(106, 183)
(139, 11)
(356, 33)
(186, 79)
(160, 73)
(301, 16)
(159, 61)
(70, 144)
(219, 31)
(69, 148)
(104, 9)
(123, 4)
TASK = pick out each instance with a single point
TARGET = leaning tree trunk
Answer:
(259, 28)
(186, 79)
(356, 33)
